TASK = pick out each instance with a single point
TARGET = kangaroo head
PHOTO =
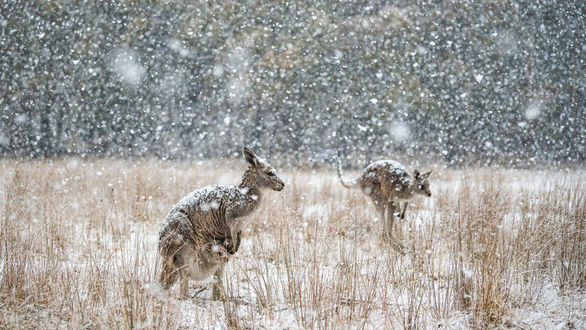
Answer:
(264, 174)
(421, 184)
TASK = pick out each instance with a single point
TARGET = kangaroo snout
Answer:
(278, 185)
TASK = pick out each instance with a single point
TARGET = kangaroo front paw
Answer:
(238, 240)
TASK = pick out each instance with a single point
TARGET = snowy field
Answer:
(490, 248)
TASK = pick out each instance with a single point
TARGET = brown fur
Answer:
(196, 238)
(387, 182)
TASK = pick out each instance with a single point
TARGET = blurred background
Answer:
(461, 83)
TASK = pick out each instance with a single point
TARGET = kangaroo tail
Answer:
(344, 182)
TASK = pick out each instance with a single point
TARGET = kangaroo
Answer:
(387, 182)
(196, 240)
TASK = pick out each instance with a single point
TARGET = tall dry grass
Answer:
(78, 249)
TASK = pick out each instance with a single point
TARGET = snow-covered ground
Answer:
(79, 249)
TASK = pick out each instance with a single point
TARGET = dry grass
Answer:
(78, 250)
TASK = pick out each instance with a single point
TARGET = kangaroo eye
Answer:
(271, 174)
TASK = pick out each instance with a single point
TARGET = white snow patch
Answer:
(72, 164)
(4, 139)
(20, 119)
(175, 44)
(533, 111)
(400, 131)
(238, 89)
(218, 70)
(125, 63)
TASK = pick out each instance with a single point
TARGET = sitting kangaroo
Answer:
(387, 182)
(196, 238)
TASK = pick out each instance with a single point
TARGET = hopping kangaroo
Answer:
(196, 238)
(387, 182)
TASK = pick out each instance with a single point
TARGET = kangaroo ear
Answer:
(416, 174)
(426, 174)
(249, 156)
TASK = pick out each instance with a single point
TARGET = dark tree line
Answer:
(463, 82)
